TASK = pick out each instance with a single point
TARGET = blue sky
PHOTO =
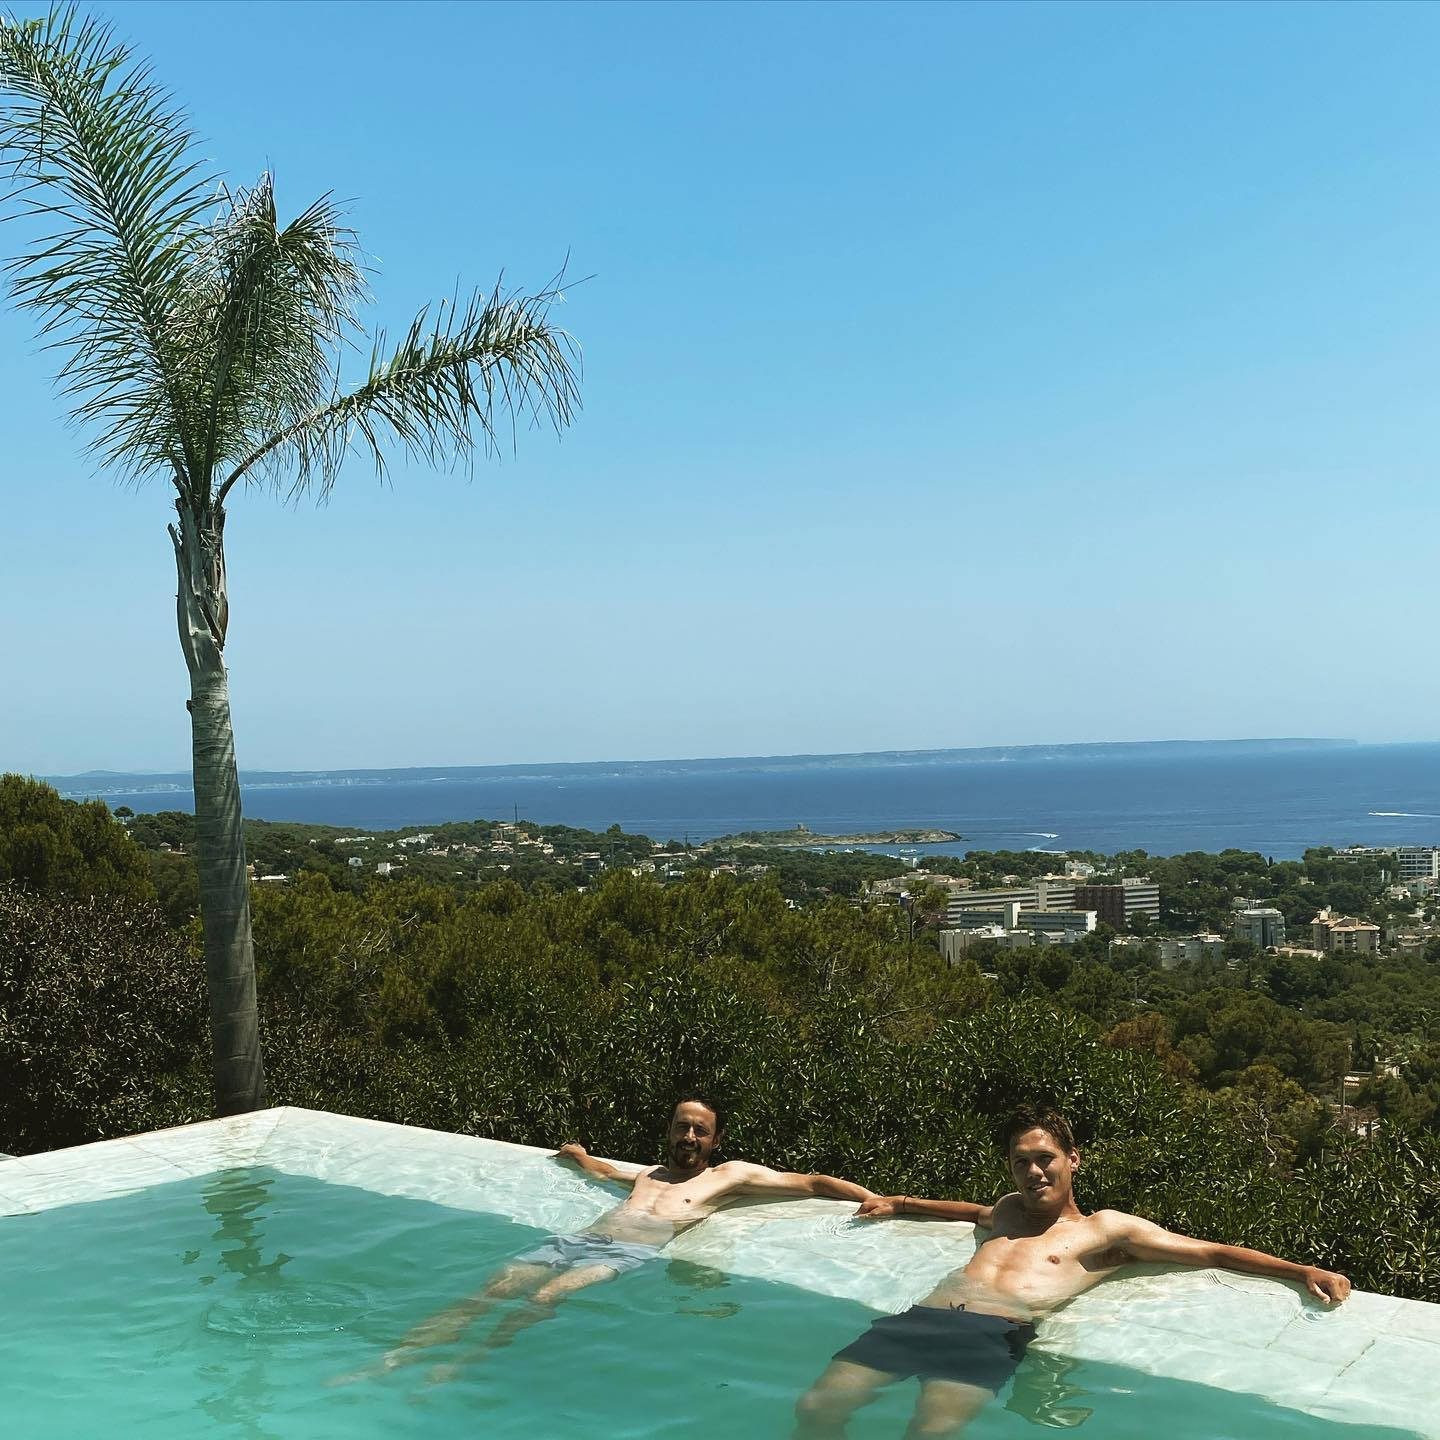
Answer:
(953, 375)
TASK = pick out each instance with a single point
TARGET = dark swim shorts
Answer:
(943, 1344)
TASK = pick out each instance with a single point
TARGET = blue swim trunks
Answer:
(567, 1252)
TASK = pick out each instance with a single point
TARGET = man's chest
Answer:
(1076, 1243)
(676, 1197)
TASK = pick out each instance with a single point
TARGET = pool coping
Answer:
(1373, 1360)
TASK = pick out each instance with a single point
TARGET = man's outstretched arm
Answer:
(747, 1179)
(884, 1207)
(1147, 1241)
(600, 1169)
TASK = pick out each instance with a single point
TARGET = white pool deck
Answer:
(1373, 1360)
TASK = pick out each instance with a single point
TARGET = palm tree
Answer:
(200, 344)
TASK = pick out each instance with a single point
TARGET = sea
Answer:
(1275, 797)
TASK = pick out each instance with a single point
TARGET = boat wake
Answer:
(1405, 814)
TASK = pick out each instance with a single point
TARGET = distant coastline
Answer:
(113, 782)
(1275, 797)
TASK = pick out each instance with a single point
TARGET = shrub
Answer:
(102, 1021)
(59, 847)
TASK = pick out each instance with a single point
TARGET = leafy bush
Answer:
(102, 1016)
(541, 1017)
(60, 847)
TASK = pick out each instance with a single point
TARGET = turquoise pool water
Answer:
(221, 1306)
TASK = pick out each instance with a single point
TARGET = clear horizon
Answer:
(954, 377)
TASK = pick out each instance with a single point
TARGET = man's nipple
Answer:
(1053, 1259)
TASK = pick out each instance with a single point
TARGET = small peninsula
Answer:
(802, 837)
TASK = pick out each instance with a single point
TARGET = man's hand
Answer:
(881, 1207)
(577, 1154)
(1326, 1285)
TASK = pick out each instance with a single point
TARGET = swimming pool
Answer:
(209, 1281)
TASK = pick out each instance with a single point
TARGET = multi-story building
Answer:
(1418, 862)
(1011, 917)
(1026, 897)
(1189, 950)
(1343, 934)
(1262, 925)
(1354, 937)
(1004, 915)
(1031, 927)
(1116, 905)
(954, 943)
(1405, 862)
(1056, 927)
(1049, 893)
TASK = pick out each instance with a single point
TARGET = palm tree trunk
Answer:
(202, 614)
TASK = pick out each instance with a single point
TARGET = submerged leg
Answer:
(545, 1300)
(540, 1306)
(450, 1324)
(945, 1407)
(826, 1407)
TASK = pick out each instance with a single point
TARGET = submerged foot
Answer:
(391, 1360)
(448, 1370)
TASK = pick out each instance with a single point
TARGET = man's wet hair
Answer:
(700, 1097)
(1039, 1117)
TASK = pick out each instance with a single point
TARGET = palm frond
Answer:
(96, 154)
(265, 314)
(439, 394)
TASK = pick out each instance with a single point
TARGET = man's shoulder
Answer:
(1113, 1222)
(736, 1171)
(731, 1174)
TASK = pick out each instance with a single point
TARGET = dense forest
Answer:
(542, 994)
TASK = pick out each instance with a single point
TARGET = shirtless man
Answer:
(663, 1201)
(965, 1339)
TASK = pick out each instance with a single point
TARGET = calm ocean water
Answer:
(1277, 803)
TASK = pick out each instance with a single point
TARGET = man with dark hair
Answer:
(1038, 1117)
(663, 1201)
(1037, 1249)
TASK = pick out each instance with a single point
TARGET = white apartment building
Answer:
(1024, 897)
(1057, 927)
(1035, 927)
(1117, 905)
(1011, 917)
(1006, 915)
(1418, 862)
(1411, 862)
(1189, 950)
(1142, 897)
(1262, 925)
(954, 943)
